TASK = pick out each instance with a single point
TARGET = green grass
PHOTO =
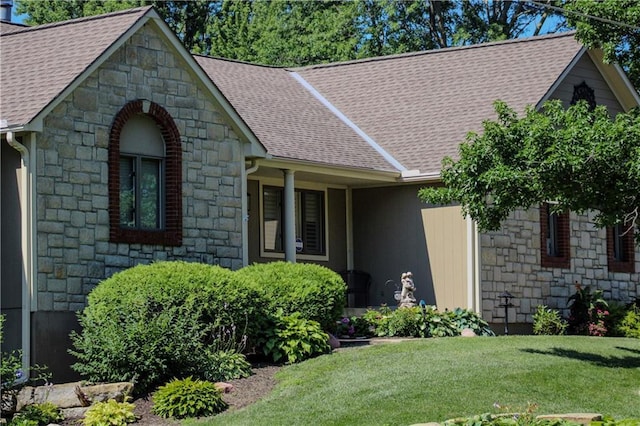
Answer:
(437, 379)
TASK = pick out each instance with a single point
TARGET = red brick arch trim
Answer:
(171, 235)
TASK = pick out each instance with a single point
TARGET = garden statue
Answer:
(407, 300)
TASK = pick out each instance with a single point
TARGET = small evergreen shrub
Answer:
(188, 398)
(153, 322)
(548, 322)
(316, 292)
(109, 413)
(630, 324)
(407, 322)
(293, 339)
(38, 415)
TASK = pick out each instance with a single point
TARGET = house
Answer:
(119, 147)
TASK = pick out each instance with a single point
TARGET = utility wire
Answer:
(585, 15)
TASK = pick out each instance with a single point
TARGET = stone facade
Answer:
(510, 261)
(74, 251)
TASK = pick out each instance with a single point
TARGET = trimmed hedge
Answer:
(316, 292)
(151, 323)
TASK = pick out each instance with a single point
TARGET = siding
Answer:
(586, 71)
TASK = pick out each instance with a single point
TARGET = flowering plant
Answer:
(352, 327)
(344, 328)
(597, 325)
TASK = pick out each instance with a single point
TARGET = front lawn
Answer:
(439, 378)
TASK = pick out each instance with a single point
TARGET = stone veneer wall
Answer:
(510, 261)
(73, 248)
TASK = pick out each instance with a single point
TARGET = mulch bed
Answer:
(245, 392)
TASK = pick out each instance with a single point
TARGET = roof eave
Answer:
(617, 80)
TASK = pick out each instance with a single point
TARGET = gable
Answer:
(39, 63)
(585, 71)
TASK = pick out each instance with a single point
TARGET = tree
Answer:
(619, 38)
(578, 157)
(187, 18)
(297, 33)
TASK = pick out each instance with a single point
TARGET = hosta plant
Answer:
(38, 414)
(109, 413)
(188, 398)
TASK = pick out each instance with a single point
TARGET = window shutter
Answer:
(313, 214)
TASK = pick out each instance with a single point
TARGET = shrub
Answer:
(314, 291)
(226, 365)
(425, 321)
(38, 414)
(407, 322)
(630, 324)
(188, 398)
(377, 319)
(109, 413)
(294, 339)
(153, 322)
(547, 321)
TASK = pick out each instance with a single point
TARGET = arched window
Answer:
(145, 160)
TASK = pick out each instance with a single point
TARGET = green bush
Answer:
(109, 413)
(314, 291)
(227, 365)
(466, 318)
(424, 321)
(38, 415)
(188, 398)
(293, 338)
(630, 324)
(153, 322)
(548, 322)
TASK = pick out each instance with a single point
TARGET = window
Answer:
(145, 176)
(309, 214)
(141, 164)
(554, 238)
(620, 249)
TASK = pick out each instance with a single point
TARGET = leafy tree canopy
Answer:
(578, 157)
(620, 43)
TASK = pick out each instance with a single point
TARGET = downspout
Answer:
(245, 210)
(26, 245)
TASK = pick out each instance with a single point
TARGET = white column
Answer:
(289, 217)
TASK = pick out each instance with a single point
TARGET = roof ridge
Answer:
(238, 61)
(436, 51)
(81, 19)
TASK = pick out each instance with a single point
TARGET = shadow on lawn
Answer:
(628, 361)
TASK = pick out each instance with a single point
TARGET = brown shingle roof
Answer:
(420, 106)
(287, 119)
(38, 63)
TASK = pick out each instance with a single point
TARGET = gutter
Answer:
(27, 246)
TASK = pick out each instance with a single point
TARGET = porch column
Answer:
(289, 217)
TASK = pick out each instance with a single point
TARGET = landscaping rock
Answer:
(467, 332)
(224, 387)
(75, 394)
